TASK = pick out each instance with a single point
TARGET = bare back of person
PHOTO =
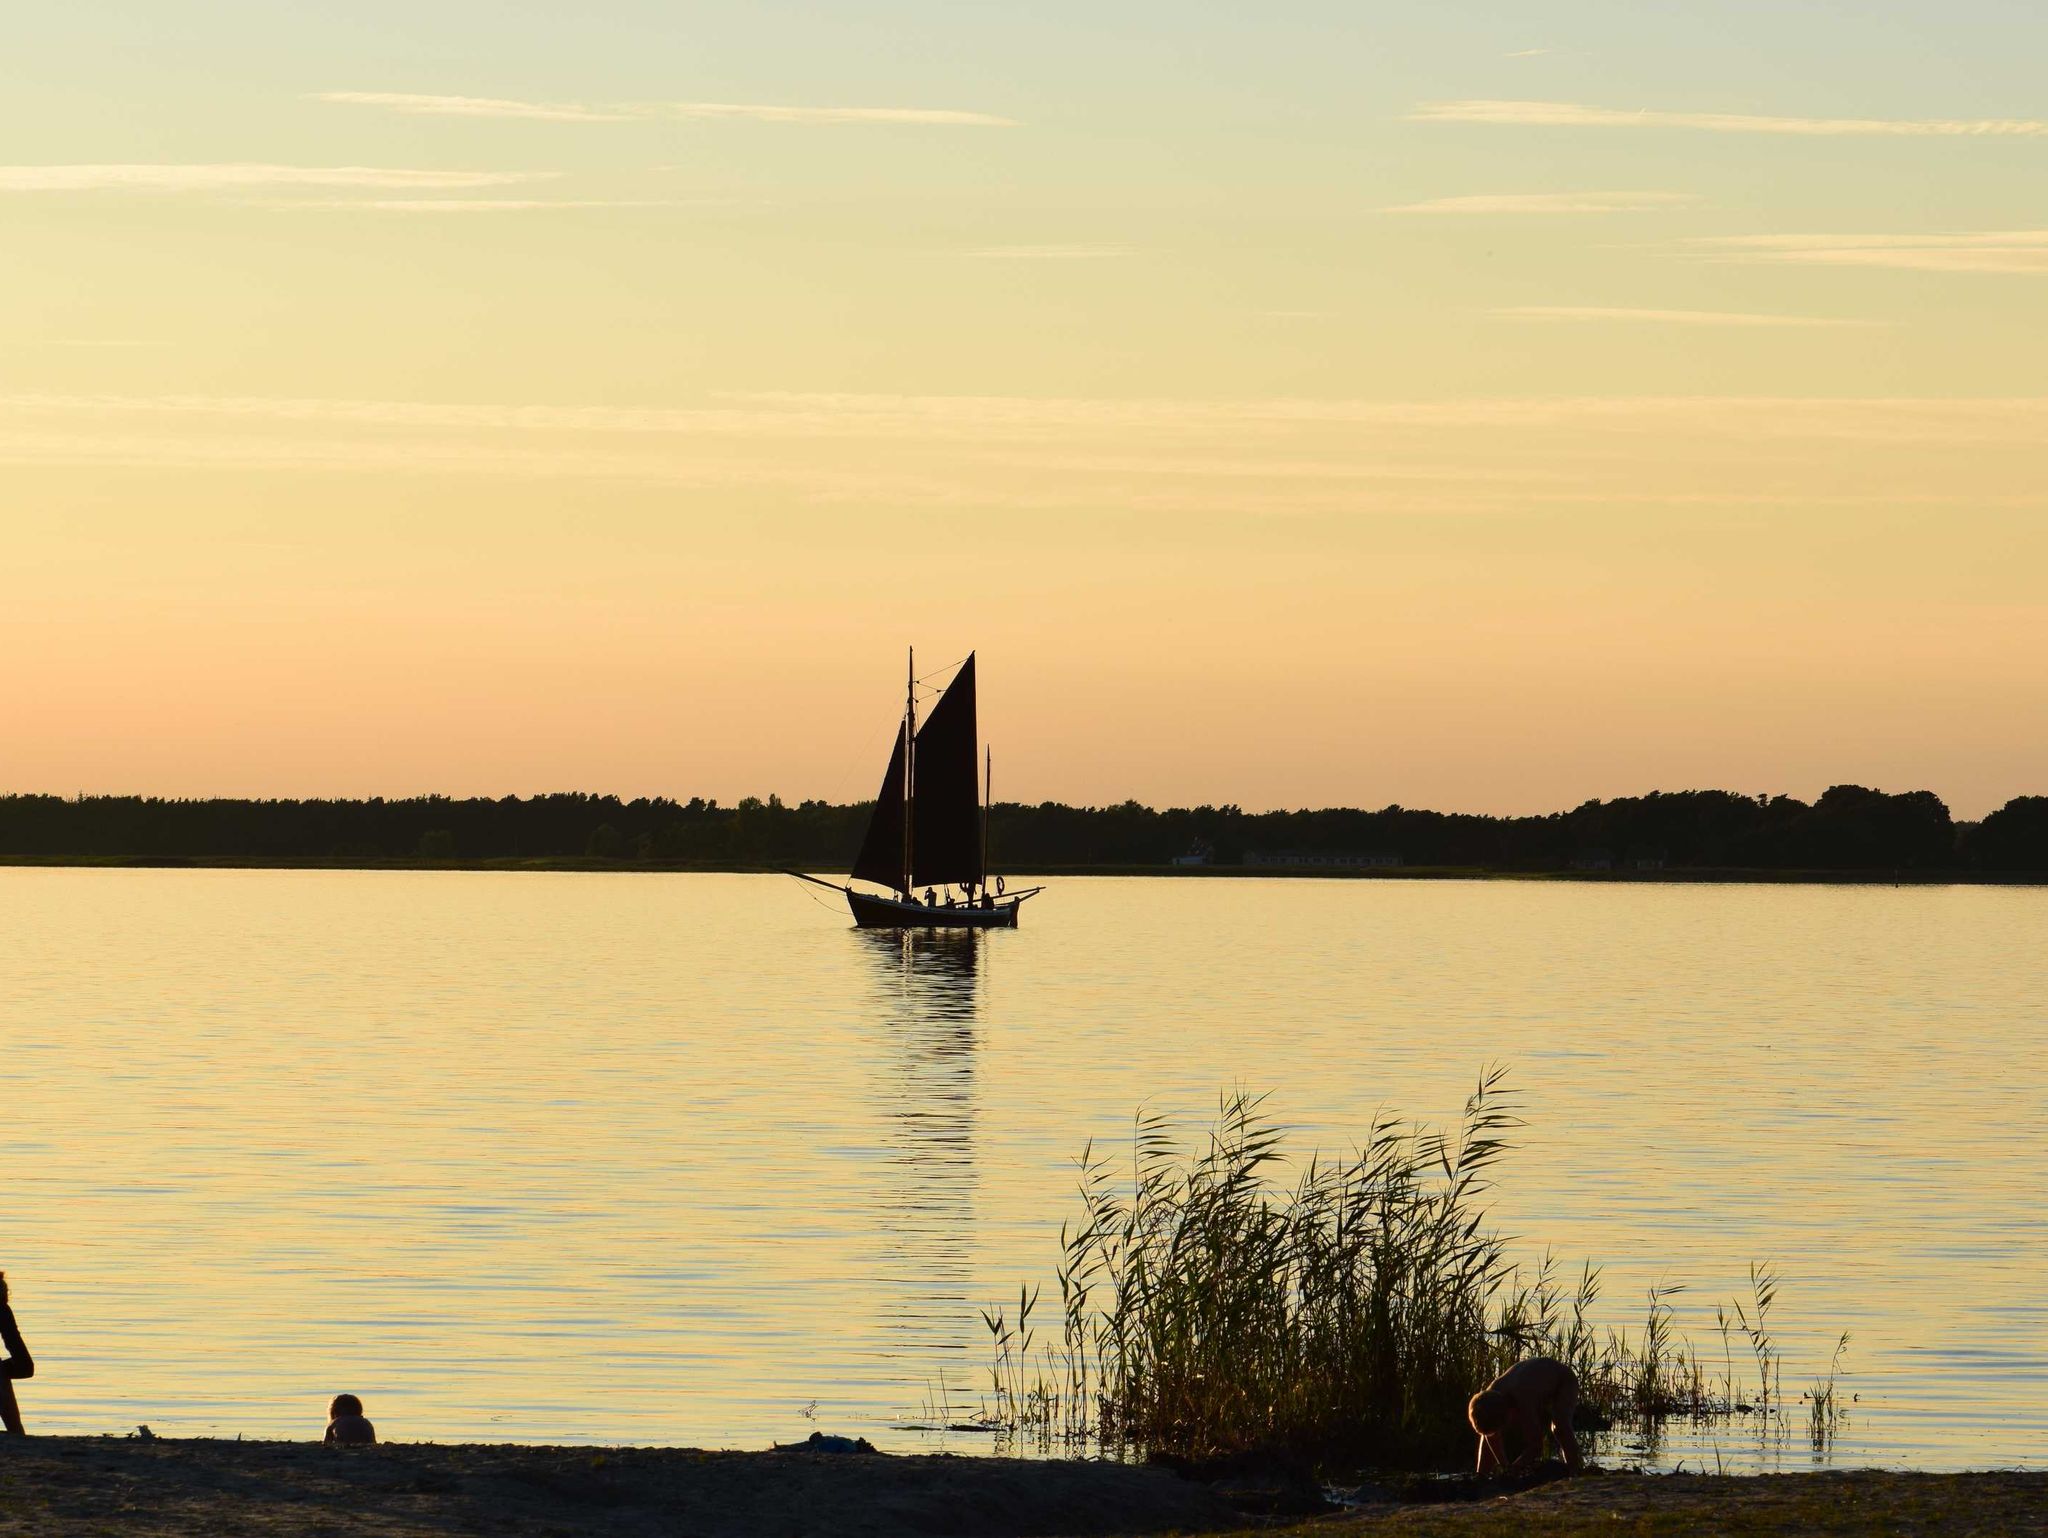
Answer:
(1528, 1399)
(350, 1431)
(346, 1424)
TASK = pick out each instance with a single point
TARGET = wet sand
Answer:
(71, 1487)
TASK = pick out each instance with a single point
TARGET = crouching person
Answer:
(1528, 1399)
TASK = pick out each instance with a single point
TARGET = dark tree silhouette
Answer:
(1850, 828)
(2013, 838)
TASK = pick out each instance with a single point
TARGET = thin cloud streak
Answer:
(243, 176)
(1263, 458)
(1565, 114)
(93, 343)
(1572, 312)
(776, 414)
(473, 106)
(462, 205)
(418, 105)
(1048, 253)
(1546, 203)
(931, 116)
(2017, 253)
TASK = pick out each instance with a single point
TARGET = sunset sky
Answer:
(1476, 406)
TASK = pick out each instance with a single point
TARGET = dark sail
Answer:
(945, 843)
(881, 852)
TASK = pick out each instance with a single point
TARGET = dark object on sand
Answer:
(1262, 1482)
(1438, 1489)
(818, 1442)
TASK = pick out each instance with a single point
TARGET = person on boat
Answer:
(1530, 1398)
(346, 1425)
(931, 898)
(18, 1364)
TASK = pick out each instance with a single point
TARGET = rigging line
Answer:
(814, 897)
(951, 667)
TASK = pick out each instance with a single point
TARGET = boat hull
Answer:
(871, 912)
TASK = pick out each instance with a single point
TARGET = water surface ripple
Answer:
(682, 1158)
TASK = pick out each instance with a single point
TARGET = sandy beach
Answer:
(56, 1487)
(72, 1487)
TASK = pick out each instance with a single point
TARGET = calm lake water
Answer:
(676, 1158)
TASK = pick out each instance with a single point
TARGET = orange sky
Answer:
(1318, 410)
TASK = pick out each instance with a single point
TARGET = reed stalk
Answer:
(1207, 1310)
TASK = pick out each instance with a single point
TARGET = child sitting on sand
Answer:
(18, 1363)
(345, 1424)
(1530, 1397)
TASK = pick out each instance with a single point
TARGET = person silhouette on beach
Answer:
(19, 1364)
(345, 1424)
(1530, 1398)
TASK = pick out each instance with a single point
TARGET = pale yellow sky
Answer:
(1438, 409)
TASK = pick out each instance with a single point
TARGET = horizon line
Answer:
(713, 803)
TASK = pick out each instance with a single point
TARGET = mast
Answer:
(909, 764)
(988, 801)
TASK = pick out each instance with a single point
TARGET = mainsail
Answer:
(945, 817)
(881, 852)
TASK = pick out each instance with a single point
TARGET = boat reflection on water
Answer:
(926, 974)
(928, 988)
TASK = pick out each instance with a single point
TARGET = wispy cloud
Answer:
(2022, 253)
(1246, 457)
(1565, 312)
(627, 112)
(935, 116)
(1048, 253)
(244, 176)
(1565, 114)
(92, 343)
(464, 205)
(772, 413)
(474, 106)
(1528, 53)
(1546, 203)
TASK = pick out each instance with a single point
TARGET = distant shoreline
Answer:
(1851, 833)
(594, 865)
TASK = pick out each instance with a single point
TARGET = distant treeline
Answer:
(1847, 829)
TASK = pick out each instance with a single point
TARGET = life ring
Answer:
(999, 886)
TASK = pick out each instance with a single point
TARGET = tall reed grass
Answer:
(1207, 1310)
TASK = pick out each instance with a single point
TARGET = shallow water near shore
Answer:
(686, 1159)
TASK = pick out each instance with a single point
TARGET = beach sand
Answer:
(78, 1487)
(57, 1487)
(1861, 1504)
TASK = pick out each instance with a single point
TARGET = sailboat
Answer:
(929, 830)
